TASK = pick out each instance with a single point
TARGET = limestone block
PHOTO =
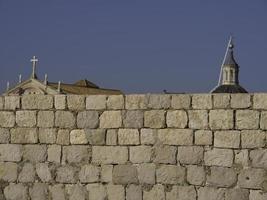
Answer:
(128, 137)
(43, 172)
(39, 191)
(237, 193)
(257, 195)
(96, 102)
(227, 139)
(211, 193)
(24, 135)
(106, 173)
(7, 119)
(240, 100)
(96, 136)
(202, 101)
(65, 119)
(37, 102)
(35, 153)
(176, 136)
(109, 155)
(89, 174)
(111, 119)
(46, 119)
(27, 174)
(219, 157)
(182, 193)
(156, 193)
(57, 192)
(251, 178)
(165, 154)
(60, 102)
(177, 119)
(221, 177)
(221, 119)
(198, 119)
(252, 138)
(258, 158)
(76, 102)
(247, 119)
(125, 174)
(16, 192)
(115, 102)
(196, 175)
(170, 174)
(65, 174)
(242, 158)
(134, 192)
(96, 191)
(263, 121)
(4, 136)
(77, 192)
(136, 102)
(146, 173)
(47, 135)
(12, 102)
(154, 119)
(148, 136)
(203, 137)
(111, 137)
(115, 192)
(88, 119)
(10, 152)
(8, 171)
(190, 155)
(63, 137)
(180, 101)
(76, 154)
(221, 100)
(133, 119)
(260, 101)
(159, 101)
(54, 153)
(140, 154)
(78, 136)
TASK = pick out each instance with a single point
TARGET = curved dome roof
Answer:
(229, 89)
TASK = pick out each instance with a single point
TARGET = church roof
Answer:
(229, 89)
(86, 83)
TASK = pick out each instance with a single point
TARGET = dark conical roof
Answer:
(229, 59)
(229, 89)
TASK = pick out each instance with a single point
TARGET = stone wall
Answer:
(134, 147)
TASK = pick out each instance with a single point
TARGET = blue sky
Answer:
(137, 46)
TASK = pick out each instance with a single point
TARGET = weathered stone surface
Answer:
(125, 174)
(154, 119)
(237, 193)
(176, 136)
(182, 193)
(109, 155)
(203, 137)
(177, 119)
(35, 153)
(111, 119)
(219, 157)
(221, 119)
(242, 158)
(115, 192)
(39, 102)
(57, 192)
(88, 119)
(46, 119)
(12, 102)
(240, 100)
(202, 101)
(227, 139)
(156, 193)
(111, 137)
(247, 119)
(221, 177)
(54, 153)
(16, 192)
(133, 119)
(106, 173)
(170, 174)
(39, 191)
(128, 137)
(63, 137)
(148, 136)
(258, 158)
(65, 174)
(115, 102)
(24, 135)
(165, 154)
(180, 101)
(252, 178)
(4, 136)
(96, 192)
(65, 119)
(196, 175)
(221, 100)
(60, 102)
(27, 173)
(78, 136)
(76, 102)
(252, 138)
(89, 174)
(76, 154)
(140, 154)
(190, 155)
(48, 135)
(257, 195)
(96, 136)
(96, 102)
(134, 102)
(26, 118)
(43, 172)
(10, 152)
(7, 119)
(263, 121)
(146, 173)
(76, 192)
(210, 193)
(159, 101)
(198, 119)
(260, 101)
(8, 171)
(134, 192)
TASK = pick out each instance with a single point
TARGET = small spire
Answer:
(20, 78)
(7, 86)
(34, 61)
(59, 86)
(229, 58)
(45, 80)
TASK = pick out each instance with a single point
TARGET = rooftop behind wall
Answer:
(134, 147)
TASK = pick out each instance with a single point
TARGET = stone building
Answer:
(33, 85)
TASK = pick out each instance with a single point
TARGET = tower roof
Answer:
(229, 58)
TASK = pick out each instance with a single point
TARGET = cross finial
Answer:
(34, 61)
